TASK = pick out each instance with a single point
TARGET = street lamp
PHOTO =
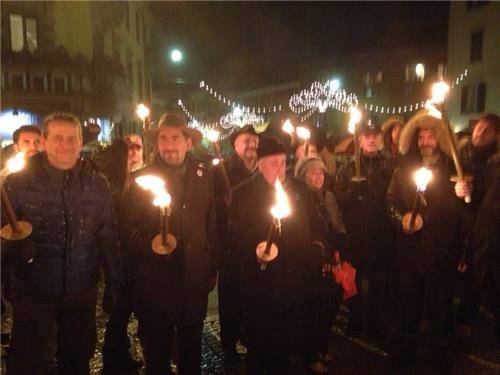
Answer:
(176, 56)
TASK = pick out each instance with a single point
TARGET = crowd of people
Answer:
(358, 233)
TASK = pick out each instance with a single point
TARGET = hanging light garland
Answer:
(233, 104)
(239, 118)
(409, 107)
(321, 96)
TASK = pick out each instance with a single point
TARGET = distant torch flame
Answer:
(288, 127)
(439, 91)
(354, 120)
(215, 161)
(303, 133)
(282, 208)
(16, 163)
(142, 111)
(157, 186)
(213, 135)
(422, 178)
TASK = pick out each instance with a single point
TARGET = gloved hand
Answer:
(22, 251)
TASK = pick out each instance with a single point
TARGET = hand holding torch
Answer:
(163, 243)
(436, 108)
(267, 251)
(412, 221)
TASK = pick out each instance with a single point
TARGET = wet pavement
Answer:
(351, 355)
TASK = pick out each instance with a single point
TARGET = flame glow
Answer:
(282, 207)
(142, 111)
(213, 135)
(422, 178)
(215, 161)
(157, 186)
(288, 127)
(433, 111)
(303, 133)
(16, 163)
(354, 120)
(439, 91)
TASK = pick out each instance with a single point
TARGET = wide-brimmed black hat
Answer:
(369, 124)
(246, 129)
(174, 120)
(269, 146)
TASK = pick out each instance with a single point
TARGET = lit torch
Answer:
(413, 220)
(289, 129)
(436, 108)
(143, 113)
(164, 243)
(305, 134)
(16, 229)
(213, 136)
(353, 128)
(267, 251)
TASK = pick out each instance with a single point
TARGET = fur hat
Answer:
(387, 126)
(174, 120)
(409, 134)
(304, 164)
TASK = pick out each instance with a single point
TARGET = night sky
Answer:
(243, 45)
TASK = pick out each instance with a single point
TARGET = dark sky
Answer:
(242, 45)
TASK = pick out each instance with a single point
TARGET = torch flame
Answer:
(16, 163)
(354, 120)
(213, 135)
(432, 110)
(439, 91)
(282, 207)
(157, 186)
(303, 133)
(288, 127)
(422, 178)
(215, 161)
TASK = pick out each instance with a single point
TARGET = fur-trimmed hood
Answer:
(408, 138)
(386, 127)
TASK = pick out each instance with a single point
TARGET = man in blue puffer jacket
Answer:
(56, 269)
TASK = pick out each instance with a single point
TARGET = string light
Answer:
(239, 118)
(231, 103)
(408, 108)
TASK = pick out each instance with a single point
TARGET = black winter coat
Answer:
(437, 244)
(73, 228)
(369, 232)
(284, 289)
(172, 290)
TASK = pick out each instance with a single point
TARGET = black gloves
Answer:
(22, 251)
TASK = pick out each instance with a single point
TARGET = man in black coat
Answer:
(240, 167)
(480, 158)
(369, 232)
(170, 291)
(56, 269)
(426, 259)
(277, 299)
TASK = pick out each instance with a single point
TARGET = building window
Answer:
(18, 81)
(476, 46)
(60, 83)
(16, 33)
(419, 72)
(31, 35)
(476, 4)
(473, 98)
(39, 82)
(379, 77)
(441, 71)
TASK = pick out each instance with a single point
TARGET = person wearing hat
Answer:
(135, 151)
(426, 259)
(312, 171)
(276, 316)
(170, 292)
(239, 167)
(362, 204)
